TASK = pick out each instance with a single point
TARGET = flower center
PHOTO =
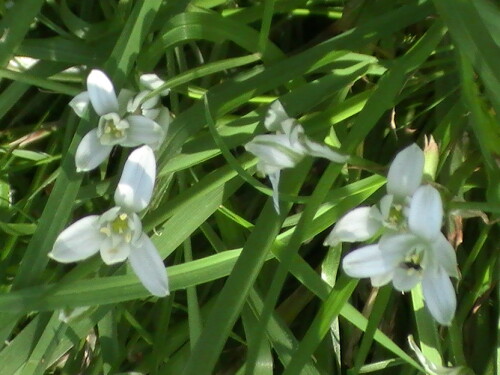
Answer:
(120, 224)
(412, 263)
(396, 219)
(119, 227)
(112, 129)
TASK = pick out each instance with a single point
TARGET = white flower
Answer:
(275, 152)
(286, 148)
(114, 128)
(117, 234)
(404, 177)
(152, 107)
(420, 255)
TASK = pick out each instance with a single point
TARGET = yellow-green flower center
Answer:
(109, 128)
(112, 129)
(119, 226)
(396, 215)
(413, 260)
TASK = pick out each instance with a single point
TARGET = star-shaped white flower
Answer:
(403, 179)
(115, 126)
(117, 234)
(421, 254)
(286, 148)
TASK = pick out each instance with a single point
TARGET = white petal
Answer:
(151, 103)
(395, 247)
(135, 102)
(365, 262)
(381, 280)
(295, 133)
(114, 250)
(426, 213)
(151, 113)
(164, 119)
(275, 181)
(405, 172)
(267, 169)
(143, 131)
(274, 116)
(101, 93)
(137, 181)
(148, 266)
(78, 241)
(356, 225)
(445, 255)
(90, 152)
(404, 280)
(386, 205)
(323, 151)
(152, 82)
(109, 215)
(439, 295)
(136, 225)
(80, 103)
(275, 150)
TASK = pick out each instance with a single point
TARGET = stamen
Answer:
(120, 224)
(396, 216)
(112, 129)
(413, 261)
(105, 230)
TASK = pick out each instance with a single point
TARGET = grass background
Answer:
(252, 292)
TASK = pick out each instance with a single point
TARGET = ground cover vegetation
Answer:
(249, 187)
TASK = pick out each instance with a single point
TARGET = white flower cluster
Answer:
(117, 234)
(411, 248)
(285, 148)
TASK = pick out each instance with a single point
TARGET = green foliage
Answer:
(252, 292)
